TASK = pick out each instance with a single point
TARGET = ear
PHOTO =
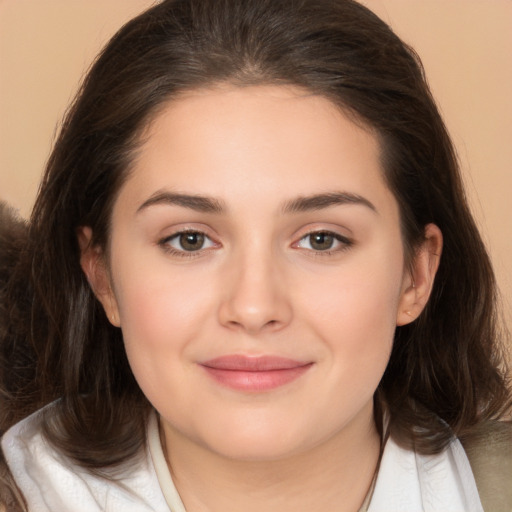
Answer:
(419, 281)
(93, 264)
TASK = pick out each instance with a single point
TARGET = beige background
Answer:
(466, 47)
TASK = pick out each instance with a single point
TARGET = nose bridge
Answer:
(255, 296)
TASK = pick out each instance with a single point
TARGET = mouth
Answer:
(254, 373)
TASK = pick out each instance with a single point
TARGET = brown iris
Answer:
(321, 241)
(191, 241)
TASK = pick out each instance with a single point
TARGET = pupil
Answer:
(191, 241)
(321, 241)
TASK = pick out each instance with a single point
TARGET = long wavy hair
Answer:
(446, 373)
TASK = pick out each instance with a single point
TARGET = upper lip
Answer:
(245, 363)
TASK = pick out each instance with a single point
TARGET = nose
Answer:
(255, 296)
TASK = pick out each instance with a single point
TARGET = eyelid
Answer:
(163, 242)
(344, 241)
(186, 227)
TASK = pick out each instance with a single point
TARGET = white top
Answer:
(407, 482)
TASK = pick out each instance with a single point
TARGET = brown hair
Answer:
(444, 375)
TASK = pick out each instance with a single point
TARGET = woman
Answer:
(254, 281)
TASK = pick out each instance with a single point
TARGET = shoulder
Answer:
(51, 481)
(489, 450)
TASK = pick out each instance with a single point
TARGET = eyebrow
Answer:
(321, 201)
(194, 202)
(206, 204)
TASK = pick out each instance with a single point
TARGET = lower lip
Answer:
(254, 381)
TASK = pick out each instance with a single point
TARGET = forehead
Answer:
(256, 142)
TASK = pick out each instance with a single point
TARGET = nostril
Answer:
(271, 324)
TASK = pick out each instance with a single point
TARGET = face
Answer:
(257, 270)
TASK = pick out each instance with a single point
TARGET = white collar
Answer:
(407, 481)
(163, 474)
(51, 482)
(410, 482)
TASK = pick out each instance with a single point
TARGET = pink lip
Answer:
(261, 373)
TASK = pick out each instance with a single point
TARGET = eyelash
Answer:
(164, 244)
(345, 244)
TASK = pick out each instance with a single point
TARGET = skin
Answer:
(260, 285)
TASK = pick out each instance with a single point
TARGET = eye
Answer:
(188, 241)
(324, 241)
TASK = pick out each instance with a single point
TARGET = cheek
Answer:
(354, 311)
(358, 331)
(161, 313)
(358, 296)
(161, 320)
(157, 312)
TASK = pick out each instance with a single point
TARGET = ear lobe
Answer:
(94, 267)
(419, 283)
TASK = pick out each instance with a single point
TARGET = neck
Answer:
(333, 476)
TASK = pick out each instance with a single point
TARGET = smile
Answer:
(254, 374)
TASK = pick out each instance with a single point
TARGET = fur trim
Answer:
(13, 235)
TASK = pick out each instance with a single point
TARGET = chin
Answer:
(257, 450)
(257, 441)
